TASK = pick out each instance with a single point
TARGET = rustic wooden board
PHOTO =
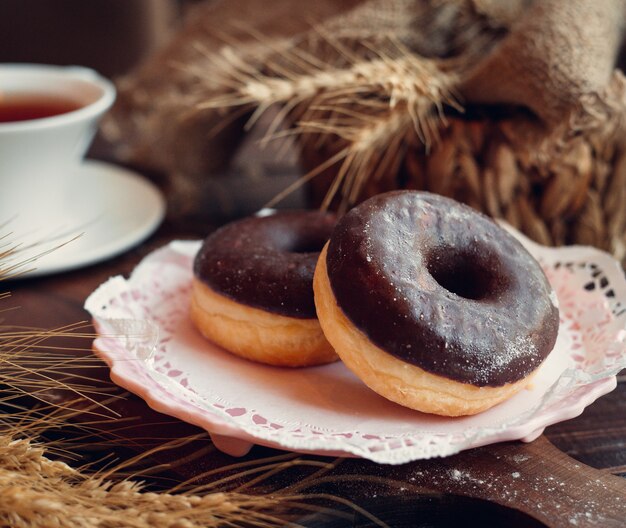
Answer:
(538, 480)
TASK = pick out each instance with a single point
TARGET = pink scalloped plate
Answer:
(154, 351)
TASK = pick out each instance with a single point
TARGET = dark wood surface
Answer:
(571, 476)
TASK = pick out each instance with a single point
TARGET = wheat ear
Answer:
(370, 103)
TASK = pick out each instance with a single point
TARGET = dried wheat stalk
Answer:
(38, 492)
(365, 109)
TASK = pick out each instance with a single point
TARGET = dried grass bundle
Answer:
(40, 492)
(363, 111)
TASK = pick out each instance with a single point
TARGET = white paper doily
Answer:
(154, 351)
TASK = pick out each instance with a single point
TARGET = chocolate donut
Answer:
(440, 288)
(253, 287)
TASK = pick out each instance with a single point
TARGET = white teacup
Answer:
(39, 156)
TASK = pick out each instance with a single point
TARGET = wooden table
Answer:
(574, 475)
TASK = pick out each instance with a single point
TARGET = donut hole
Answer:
(306, 246)
(303, 243)
(464, 273)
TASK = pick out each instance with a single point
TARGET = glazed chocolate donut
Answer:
(433, 304)
(253, 288)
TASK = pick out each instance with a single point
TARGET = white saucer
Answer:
(112, 209)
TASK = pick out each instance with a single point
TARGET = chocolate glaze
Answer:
(267, 262)
(443, 287)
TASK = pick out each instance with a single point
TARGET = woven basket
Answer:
(567, 186)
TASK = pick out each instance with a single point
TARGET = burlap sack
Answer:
(513, 107)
